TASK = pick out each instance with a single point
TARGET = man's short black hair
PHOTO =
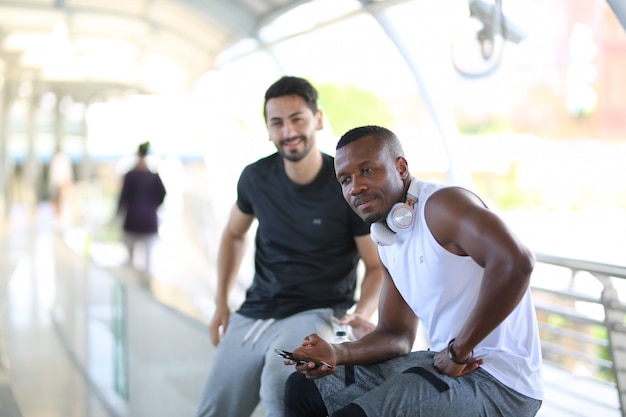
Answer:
(289, 85)
(385, 135)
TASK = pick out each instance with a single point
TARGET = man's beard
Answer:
(298, 156)
(374, 218)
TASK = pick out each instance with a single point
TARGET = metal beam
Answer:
(446, 130)
(619, 8)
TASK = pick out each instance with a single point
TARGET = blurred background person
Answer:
(60, 180)
(141, 196)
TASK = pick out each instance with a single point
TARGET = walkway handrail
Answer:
(570, 321)
(581, 265)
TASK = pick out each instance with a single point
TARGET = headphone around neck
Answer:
(400, 219)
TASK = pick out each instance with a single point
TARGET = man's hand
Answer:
(316, 348)
(359, 326)
(218, 324)
(447, 367)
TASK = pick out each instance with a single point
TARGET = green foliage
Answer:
(556, 320)
(349, 106)
(603, 374)
(484, 127)
(601, 333)
(509, 199)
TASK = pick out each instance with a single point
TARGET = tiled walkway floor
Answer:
(38, 378)
(38, 375)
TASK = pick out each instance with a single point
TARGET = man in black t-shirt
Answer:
(308, 245)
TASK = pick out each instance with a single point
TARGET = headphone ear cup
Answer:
(382, 235)
(400, 218)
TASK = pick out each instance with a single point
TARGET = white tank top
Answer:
(442, 288)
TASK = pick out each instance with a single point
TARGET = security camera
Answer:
(484, 12)
(496, 30)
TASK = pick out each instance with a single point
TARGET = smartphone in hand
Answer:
(300, 361)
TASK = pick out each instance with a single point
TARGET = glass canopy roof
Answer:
(148, 45)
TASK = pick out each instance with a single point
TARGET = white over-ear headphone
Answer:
(400, 219)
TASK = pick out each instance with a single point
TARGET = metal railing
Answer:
(582, 318)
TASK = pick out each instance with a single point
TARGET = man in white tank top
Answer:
(453, 264)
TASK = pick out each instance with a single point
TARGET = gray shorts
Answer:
(410, 386)
(245, 368)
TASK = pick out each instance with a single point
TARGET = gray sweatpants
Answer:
(246, 369)
(410, 386)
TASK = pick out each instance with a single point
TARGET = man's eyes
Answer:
(279, 123)
(364, 171)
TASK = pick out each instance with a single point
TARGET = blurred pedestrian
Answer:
(60, 180)
(142, 194)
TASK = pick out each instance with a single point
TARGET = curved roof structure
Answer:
(149, 45)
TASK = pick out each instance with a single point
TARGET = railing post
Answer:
(614, 321)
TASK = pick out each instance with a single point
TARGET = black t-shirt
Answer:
(305, 255)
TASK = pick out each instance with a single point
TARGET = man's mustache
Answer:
(357, 201)
(291, 139)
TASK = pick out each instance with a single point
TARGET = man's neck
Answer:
(304, 171)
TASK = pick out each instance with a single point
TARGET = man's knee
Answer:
(302, 398)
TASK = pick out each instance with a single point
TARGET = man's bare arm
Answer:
(230, 254)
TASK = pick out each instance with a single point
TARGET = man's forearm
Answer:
(230, 255)
(370, 292)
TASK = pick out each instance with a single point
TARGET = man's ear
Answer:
(319, 120)
(403, 167)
